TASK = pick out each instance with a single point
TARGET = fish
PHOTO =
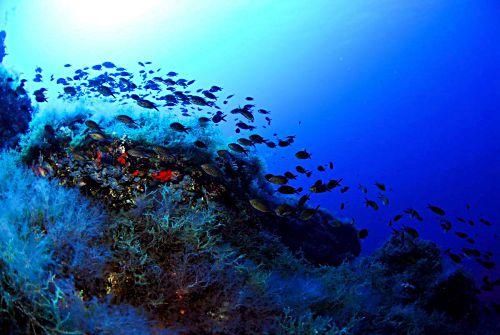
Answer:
(211, 170)
(237, 148)
(146, 104)
(303, 154)
(411, 231)
(371, 204)
(179, 127)
(125, 119)
(200, 144)
(471, 252)
(106, 91)
(284, 210)
(321, 168)
(257, 139)
(97, 136)
(456, 258)
(413, 214)
(446, 225)
(363, 233)
(108, 65)
(246, 142)
(307, 213)
(436, 210)
(333, 183)
(486, 264)
(461, 234)
(344, 189)
(290, 175)
(92, 125)
(485, 222)
(380, 186)
(259, 205)
(138, 152)
(397, 217)
(330, 165)
(287, 189)
(303, 199)
(277, 180)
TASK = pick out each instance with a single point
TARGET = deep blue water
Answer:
(405, 93)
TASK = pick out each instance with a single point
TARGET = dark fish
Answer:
(321, 168)
(138, 152)
(259, 205)
(307, 213)
(333, 183)
(92, 125)
(271, 144)
(97, 67)
(380, 186)
(211, 170)
(303, 199)
(108, 65)
(456, 258)
(372, 204)
(287, 189)
(344, 189)
(414, 214)
(303, 154)
(237, 148)
(179, 127)
(290, 175)
(411, 231)
(342, 206)
(461, 234)
(485, 222)
(331, 165)
(172, 74)
(471, 252)
(105, 91)
(363, 233)
(284, 210)
(436, 210)
(218, 117)
(67, 65)
(244, 126)
(446, 225)
(397, 217)
(200, 144)
(146, 104)
(246, 142)
(277, 180)
(125, 119)
(249, 98)
(203, 120)
(257, 139)
(486, 264)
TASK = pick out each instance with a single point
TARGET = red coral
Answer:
(122, 159)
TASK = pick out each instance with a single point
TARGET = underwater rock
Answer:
(15, 111)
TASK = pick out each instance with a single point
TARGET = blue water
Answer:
(402, 92)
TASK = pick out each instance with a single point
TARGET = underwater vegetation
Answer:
(124, 211)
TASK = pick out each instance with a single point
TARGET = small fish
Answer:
(471, 252)
(413, 214)
(363, 233)
(486, 264)
(307, 213)
(97, 136)
(342, 206)
(344, 189)
(446, 225)
(125, 119)
(92, 125)
(106, 91)
(277, 180)
(397, 217)
(485, 222)
(321, 168)
(303, 199)
(178, 127)
(287, 189)
(200, 144)
(436, 210)
(303, 154)
(461, 234)
(380, 186)
(237, 148)
(372, 204)
(456, 258)
(137, 153)
(284, 210)
(211, 170)
(108, 65)
(411, 231)
(246, 142)
(290, 175)
(259, 205)
(330, 165)
(257, 139)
